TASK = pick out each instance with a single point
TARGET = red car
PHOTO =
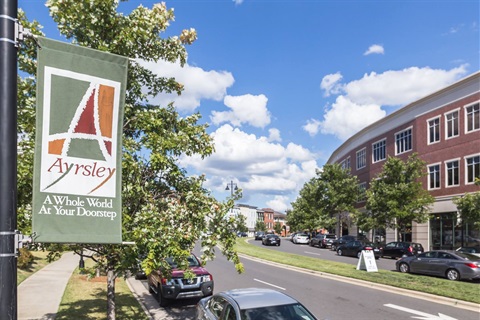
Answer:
(178, 287)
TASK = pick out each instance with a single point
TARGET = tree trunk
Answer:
(111, 294)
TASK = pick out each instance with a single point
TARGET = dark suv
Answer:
(178, 287)
(323, 240)
(341, 241)
(398, 249)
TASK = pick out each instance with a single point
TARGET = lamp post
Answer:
(233, 187)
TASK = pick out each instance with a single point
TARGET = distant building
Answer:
(443, 128)
(268, 214)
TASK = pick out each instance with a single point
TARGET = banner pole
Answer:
(8, 158)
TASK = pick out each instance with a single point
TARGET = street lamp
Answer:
(233, 187)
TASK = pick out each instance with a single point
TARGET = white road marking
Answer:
(422, 315)
(269, 284)
(317, 254)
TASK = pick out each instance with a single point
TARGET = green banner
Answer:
(78, 159)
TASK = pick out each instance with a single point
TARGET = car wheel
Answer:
(359, 253)
(161, 300)
(334, 248)
(278, 244)
(404, 268)
(339, 252)
(453, 275)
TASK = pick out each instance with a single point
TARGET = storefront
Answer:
(448, 233)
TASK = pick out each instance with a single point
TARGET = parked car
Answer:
(251, 304)
(242, 234)
(301, 238)
(322, 240)
(167, 289)
(342, 240)
(271, 240)
(397, 249)
(355, 248)
(291, 235)
(259, 235)
(452, 265)
(472, 250)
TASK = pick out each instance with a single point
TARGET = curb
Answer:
(421, 295)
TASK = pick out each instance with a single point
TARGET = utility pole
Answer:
(8, 158)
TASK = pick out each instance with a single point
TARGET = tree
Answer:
(469, 207)
(241, 224)
(396, 196)
(326, 199)
(260, 226)
(278, 228)
(165, 211)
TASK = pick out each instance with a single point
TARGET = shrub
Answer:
(25, 258)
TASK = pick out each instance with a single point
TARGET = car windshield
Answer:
(302, 235)
(285, 312)
(468, 256)
(192, 262)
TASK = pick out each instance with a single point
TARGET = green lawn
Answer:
(87, 299)
(461, 290)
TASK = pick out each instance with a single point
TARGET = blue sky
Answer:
(283, 83)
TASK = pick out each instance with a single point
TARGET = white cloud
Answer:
(263, 167)
(238, 2)
(400, 87)
(199, 84)
(280, 203)
(274, 135)
(374, 49)
(249, 109)
(312, 127)
(361, 101)
(345, 117)
(330, 83)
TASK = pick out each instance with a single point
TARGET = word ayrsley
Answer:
(94, 170)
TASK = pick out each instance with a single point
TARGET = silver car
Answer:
(251, 304)
(443, 263)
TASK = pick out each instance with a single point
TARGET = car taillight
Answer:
(410, 249)
(368, 248)
(472, 265)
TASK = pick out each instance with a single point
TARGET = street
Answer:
(326, 297)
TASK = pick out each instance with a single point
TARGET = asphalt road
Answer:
(322, 253)
(327, 297)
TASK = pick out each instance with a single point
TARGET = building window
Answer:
(473, 168)
(345, 164)
(433, 130)
(361, 158)
(403, 141)
(379, 151)
(434, 177)
(362, 192)
(451, 120)
(472, 117)
(453, 173)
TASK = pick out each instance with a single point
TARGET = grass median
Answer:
(460, 290)
(86, 298)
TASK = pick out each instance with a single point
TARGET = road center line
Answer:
(269, 284)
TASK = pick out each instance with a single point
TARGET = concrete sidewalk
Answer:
(39, 296)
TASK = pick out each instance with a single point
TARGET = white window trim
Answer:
(465, 116)
(439, 129)
(356, 158)
(446, 172)
(446, 123)
(411, 135)
(439, 164)
(373, 150)
(465, 166)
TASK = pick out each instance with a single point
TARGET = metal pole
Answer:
(8, 159)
